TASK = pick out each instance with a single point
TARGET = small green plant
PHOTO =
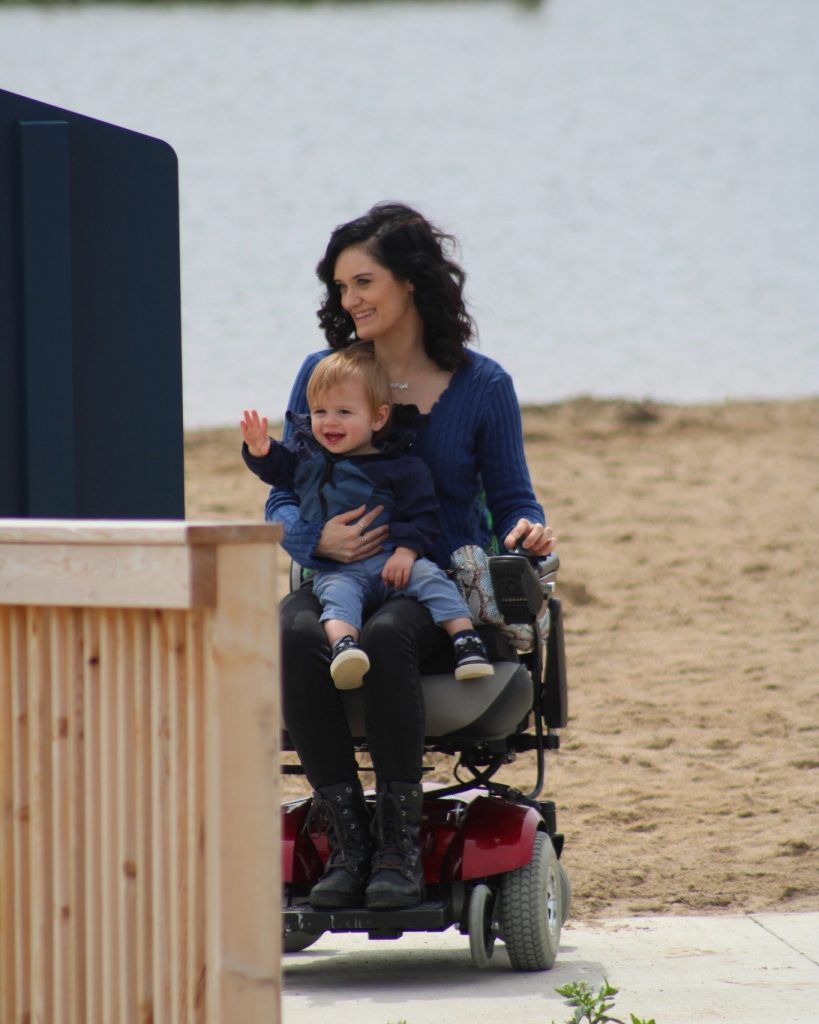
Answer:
(594, 1007)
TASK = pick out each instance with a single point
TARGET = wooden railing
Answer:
(139, 825)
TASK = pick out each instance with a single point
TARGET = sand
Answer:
(688, 777)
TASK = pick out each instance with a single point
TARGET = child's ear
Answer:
(381, 417)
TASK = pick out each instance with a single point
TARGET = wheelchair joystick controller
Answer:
(517, 586)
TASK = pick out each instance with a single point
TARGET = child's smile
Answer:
(342, 419)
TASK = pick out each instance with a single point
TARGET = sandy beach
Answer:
(688, 778)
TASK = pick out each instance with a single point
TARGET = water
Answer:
(634, 184)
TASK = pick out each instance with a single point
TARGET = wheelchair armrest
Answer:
(555, 695)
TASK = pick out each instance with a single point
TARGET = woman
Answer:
(389, 280)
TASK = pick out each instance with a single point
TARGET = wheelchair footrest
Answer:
(431, 916)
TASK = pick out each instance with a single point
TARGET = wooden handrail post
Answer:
(241, 734)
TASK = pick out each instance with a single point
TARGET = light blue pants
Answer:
(345, 592)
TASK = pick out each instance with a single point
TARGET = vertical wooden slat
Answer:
(142, 817)
(93, 818)
(35, 679)
(197, 920)
(60, 657)
(126, 857)
(160, 820)
(76, 852)
(20, 818)
(110, 656)
(7, 874)
(40, 805)
(178, 808)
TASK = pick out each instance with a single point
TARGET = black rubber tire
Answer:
(566, 885)
(531, 911)
(481, 931)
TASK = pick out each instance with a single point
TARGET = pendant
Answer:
(399, 385)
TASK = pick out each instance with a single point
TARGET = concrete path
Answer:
(755, 969)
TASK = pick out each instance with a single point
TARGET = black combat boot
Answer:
(397, 878)
(341, 809)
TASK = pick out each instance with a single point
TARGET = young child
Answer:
(333, 463)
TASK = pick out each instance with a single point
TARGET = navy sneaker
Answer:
(349, 664)
(471, 660)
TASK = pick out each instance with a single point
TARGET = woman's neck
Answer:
(404, 359)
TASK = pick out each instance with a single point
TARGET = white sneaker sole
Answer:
(474, 671)
(348, 668)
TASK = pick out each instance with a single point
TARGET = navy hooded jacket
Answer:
(327, 484)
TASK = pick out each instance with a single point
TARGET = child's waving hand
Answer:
(254, 432)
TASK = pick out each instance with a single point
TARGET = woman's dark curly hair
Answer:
(412, 249)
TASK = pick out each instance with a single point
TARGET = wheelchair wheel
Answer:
(532, 909)
(482, 931)
(295, 942)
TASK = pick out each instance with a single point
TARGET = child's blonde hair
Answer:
(356, 361)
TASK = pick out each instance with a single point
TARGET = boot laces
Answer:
(394, 844)
(344, 834)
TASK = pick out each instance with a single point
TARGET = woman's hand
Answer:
(348, 538)
(538, 540)
(254, 433)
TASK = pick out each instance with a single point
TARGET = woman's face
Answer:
(379, 303)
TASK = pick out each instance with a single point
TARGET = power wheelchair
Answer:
(490, 852)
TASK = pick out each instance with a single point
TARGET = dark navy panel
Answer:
(48, 345)
(118, 359)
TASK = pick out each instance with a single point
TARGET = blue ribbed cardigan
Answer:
(472, 441)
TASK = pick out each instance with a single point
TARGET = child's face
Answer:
(342, 419)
